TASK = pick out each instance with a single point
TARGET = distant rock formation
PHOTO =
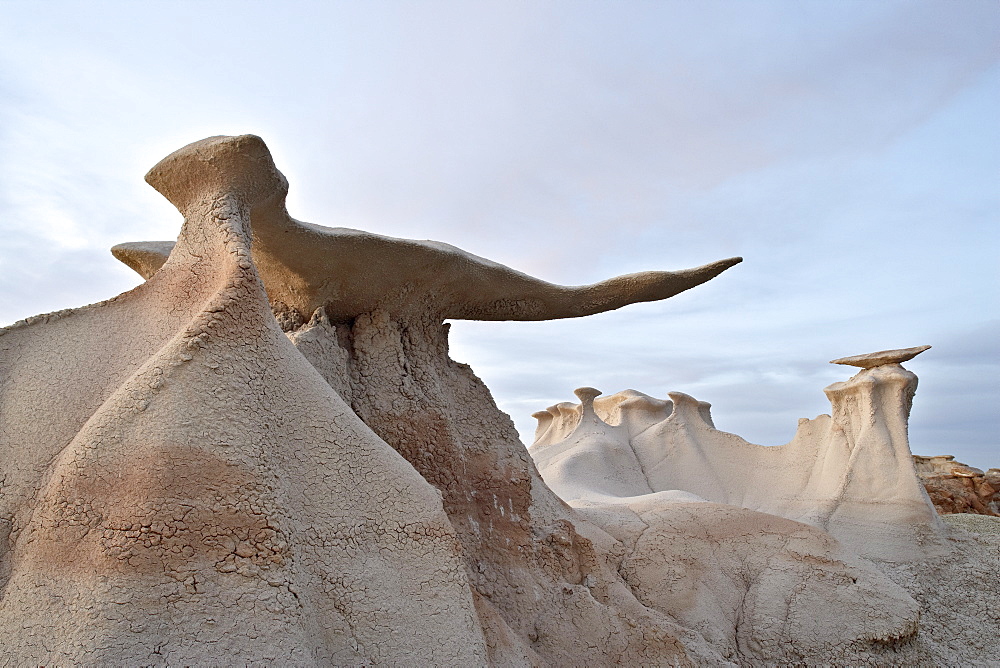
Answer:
(882, 357)
(850, 474)
(699, 511)
(263, 455)
(957, 488)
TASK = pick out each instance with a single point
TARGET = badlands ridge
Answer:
(263, 455)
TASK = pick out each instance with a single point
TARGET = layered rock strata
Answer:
(954, 487)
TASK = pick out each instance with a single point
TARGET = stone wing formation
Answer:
(350, 273)
(263, 455)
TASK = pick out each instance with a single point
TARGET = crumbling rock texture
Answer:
(264, 455)
(960, 620)
(759, 588)
(536, 580)
(955, 487)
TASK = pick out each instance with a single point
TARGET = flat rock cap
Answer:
(871, 360)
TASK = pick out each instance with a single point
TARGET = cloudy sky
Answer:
(850, 151)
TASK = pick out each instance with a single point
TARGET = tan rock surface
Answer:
(207, 470)
(871, 360)
(349, 273)
(200, 493)
(180, 486)
(145, 257)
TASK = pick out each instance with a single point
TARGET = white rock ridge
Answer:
(702, 515)
(851, 474)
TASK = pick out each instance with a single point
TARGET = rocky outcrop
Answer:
(263, 455)
(700, 514)
(850, 474)
(182, 485)
(954, 487)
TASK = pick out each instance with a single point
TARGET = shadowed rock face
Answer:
(264, 454)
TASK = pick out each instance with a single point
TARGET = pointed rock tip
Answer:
(145, 257)
(719, 266)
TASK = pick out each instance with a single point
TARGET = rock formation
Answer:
(181, 486)
(650, 472)
(200, 492)
(957, 488)
(850, 474)
(264, 455)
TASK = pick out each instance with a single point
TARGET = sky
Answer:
(849, 151)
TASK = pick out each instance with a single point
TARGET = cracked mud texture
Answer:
(197, 492)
